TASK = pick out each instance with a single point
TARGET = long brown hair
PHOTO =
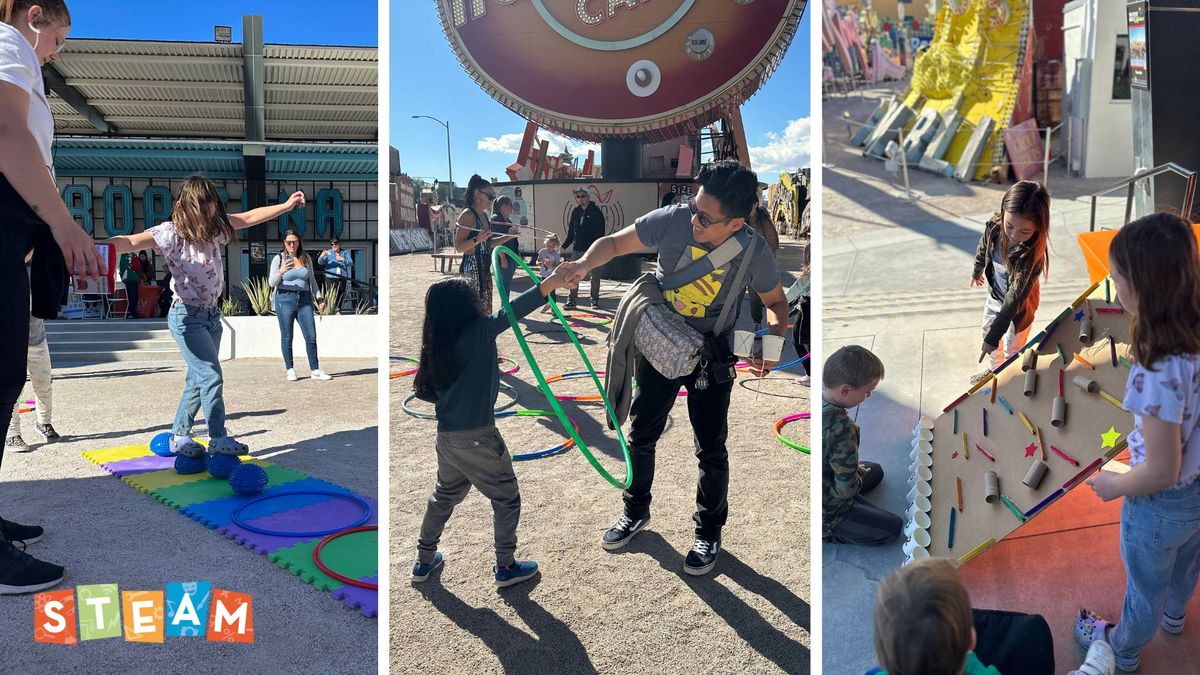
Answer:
(54, 10)
(1031, 201)
(300, 255)
(1158, 255)
(192, 217)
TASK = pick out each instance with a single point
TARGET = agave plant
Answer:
(332, 300)
(230, 306)
(364, 307)
(258, 290)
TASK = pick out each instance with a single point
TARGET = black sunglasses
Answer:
(705, 222)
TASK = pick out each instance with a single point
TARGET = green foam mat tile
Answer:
(106, 455)
(355, 556)
(179, 496)
(156, 480)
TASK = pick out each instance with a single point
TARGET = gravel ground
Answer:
(104, 531)
(592, 611)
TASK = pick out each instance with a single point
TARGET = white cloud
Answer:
(788, 151)
(511, 143)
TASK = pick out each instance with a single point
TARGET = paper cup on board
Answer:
(921, 504)
(917, 552)
(919, 521)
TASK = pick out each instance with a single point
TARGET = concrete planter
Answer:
(338, 336)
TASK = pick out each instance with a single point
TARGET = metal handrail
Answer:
(1132, 181)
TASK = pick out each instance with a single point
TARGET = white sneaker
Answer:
(804, 381)
(291, 375)
(319, 374)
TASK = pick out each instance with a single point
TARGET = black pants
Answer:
(802, 332)
(708, 411)
(16, 238)
(866, 523)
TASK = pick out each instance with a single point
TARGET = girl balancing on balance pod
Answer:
(457, 372)
(191, 243)
(1010, 258)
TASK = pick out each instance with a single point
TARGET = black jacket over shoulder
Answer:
(585, 227)
(48, 271)
(1019, 304)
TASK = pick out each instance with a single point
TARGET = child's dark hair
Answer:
(1158, 255)
(733, 185)
(1029, 200)
(450, 305)
(853, 365)
(501, 201)
(923, 620)
(475, 183)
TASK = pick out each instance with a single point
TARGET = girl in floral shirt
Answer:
(1156, 268)
(191, 242)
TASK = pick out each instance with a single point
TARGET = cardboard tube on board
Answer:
(991, 487)
(1030, 360)
(1087, 384)
(1085, 330)
(1035, 475)
(1030, 382)
(1058, 413)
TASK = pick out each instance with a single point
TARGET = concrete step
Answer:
(882, 305)
(81, 358)
(103, 341)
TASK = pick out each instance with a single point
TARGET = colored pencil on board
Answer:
(1079, 477)
(1042, 443)
(1125, 362)
(1013, 508)
(985, 421)
(1060, 383)
(985, 452)
(1065, 456)
(966, 453)
(1106, 296)
(1028, 424)
(955, 402)
(955, 421)
(994, 387)
(1045, 502)
(1061, 354)
(1006, 406)
(1084, 361)
(1110, 310)
(1108, 397)
(1112, 348)
(950, 536)
(976, 551)
(958, 482)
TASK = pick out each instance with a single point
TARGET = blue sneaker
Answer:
(421, 571)
(515, 573)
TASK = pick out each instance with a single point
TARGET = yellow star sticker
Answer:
(1110, 438)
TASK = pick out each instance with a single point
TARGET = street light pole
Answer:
(449, 163)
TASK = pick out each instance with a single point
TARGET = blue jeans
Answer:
(1160, 544)
(506, 273)
(197, 331)
(291, 306)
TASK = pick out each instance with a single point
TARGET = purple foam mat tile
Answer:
(327, 514)
(216, 513)
(362, 599)
(127, 467)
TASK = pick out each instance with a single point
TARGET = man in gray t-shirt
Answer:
(681, 234)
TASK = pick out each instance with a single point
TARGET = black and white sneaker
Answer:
(16, 444)
(702, 558)
(47, 431)
(23, 573)
(22, 535)
(619, 534)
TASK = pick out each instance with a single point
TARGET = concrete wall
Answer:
(338, 336)
(1107, 142)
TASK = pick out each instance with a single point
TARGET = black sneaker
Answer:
(595, 304)
(618, 535)
(16, 444)
(17, 533)
(23, 573)
(702, 558)
(570, 305)
(47, 431)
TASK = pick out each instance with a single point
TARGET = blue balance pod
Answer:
(248, 479)
(161, 444)
(221, 465)
(189, 464)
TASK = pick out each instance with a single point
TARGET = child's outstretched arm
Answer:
(1164, 453)
(241, 221)
(131, 243)
(528, 301)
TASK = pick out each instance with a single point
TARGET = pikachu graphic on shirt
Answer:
(694, 299)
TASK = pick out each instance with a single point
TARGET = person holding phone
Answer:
(295, 285)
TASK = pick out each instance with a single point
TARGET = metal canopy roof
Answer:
(195, 90)
(216, 159)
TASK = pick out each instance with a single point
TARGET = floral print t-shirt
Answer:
(1170, 392)
(197, 274)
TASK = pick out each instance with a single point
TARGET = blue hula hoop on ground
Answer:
(237, 515)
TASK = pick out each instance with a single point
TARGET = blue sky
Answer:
(355, 22)
(428, 80)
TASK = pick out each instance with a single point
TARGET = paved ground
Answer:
(592, 611)
(895, 280)
(104, 531)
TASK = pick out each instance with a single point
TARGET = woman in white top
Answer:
(31, 215)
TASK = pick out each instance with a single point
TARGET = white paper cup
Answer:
(921, 448)
(919, 521)
(924, 459)
(743, 343)
(925, 435)
(917, 552)
(925, 422)
(920, 489)
(919, 473)
(772, 346)
(920, 505)
(919, 539)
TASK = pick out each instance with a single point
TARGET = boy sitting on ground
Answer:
(850, 375)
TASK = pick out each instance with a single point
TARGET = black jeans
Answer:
(16, 238)
(708, 411)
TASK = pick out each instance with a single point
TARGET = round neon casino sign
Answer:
(597, 69)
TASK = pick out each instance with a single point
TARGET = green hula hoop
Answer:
(507, 388)
(545, 388)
